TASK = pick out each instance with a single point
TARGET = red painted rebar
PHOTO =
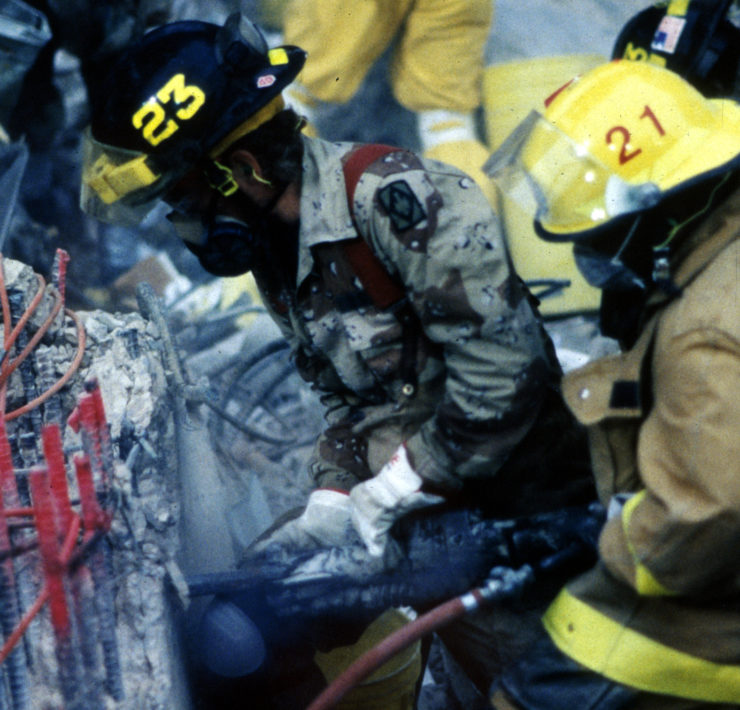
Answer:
(54, 568)
(59, 271)
(66, 553)
(13, 334)
(24, 623)
(52, 513)
(96, 519)
(8, 484)
(51, 439)
(8, 369)
(26, 585)
(82, 580)
(74, 365)
(17, 663)
(49, 547)
(84, 420)
(79, 578)
(17, 512)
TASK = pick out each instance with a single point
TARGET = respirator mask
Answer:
(225, 246)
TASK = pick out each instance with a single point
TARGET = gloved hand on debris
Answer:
(324, 522)
(385, 498)
(332, 518)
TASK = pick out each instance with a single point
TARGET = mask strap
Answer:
(617, 258)
(260, 179)
(221, 178)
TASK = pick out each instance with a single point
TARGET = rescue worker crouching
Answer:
(387, 274)
(640, 171)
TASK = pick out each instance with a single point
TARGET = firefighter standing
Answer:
(640, 172)
(436, 68)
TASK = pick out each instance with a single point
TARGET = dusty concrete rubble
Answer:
(209, 431)
(125, 357)
(122, 353)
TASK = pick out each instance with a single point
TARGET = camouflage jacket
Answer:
(483, 360)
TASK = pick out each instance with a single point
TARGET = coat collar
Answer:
(325, 215)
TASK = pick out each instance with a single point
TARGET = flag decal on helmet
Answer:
(668, 33)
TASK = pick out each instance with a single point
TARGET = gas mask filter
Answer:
(225, 246)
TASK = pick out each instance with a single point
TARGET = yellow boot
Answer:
(390, 687)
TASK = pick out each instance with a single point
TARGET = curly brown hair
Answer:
(278, 146)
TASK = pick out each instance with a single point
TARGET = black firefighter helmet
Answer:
(179, 95)
(693, 38)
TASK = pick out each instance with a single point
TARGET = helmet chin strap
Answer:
(661, 275)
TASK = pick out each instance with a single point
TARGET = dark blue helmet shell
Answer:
(181, 88)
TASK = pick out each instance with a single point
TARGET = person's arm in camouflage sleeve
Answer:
(437, 232)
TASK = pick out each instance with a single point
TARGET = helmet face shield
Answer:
(560, 183)
(118, 185)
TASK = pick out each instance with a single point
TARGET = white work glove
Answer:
(324, 522)
(380, 501)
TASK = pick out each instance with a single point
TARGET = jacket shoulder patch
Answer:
(402, 206)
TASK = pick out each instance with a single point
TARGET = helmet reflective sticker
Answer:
(266, 81)
(668, 34)
(153, 114)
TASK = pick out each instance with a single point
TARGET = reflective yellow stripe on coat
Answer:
(608, 648)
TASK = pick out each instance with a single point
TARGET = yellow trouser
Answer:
(437, 63)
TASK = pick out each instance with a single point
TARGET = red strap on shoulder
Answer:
(382, 288)
(358, 162)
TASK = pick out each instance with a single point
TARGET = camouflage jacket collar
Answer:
(325, 214)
